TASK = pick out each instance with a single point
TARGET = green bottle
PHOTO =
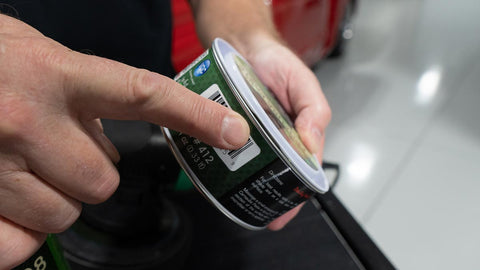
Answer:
(48, 257)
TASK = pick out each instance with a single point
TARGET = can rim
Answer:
(199, 186)
(223, 53)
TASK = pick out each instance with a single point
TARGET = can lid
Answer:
(269, 116)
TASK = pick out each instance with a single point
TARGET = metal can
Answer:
(273, 172)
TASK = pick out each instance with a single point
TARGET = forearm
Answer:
(244, 23)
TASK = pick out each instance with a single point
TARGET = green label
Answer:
(219, 170)
(275, 111)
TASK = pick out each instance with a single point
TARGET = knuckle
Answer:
(142, 85)
(61, 218)
(102, 185)
(95, 177)
(41, 52)
(327, 113)
(12, 24)
(46, 51)
(16, 118)
(51, 213)
(322, 112)
(41, 208)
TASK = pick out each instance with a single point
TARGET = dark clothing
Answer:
(135, 32)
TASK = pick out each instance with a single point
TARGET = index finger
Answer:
(100, 88)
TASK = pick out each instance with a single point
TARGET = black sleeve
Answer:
(135, 32)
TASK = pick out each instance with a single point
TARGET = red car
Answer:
(314, 29)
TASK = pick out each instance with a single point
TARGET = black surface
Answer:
(134, 32)
(308, 242)
(87, 247)
(365, 249)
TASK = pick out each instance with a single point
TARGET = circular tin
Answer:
(273, 172)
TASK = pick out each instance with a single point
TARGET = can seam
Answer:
(203, 190)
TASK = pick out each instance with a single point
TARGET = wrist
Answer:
(247, 24)
(251, 43)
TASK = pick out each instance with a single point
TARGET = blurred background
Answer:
(402, 78)
(406, 129)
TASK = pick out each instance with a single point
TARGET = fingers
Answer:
(95, 129)
(297, 89)
(62, 153)
(311, 123)
(281, 221)
(125, 93)
(48, 124)
(17, 243)
(310, 107)
(30, 202)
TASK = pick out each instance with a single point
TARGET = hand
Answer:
(53, 153)
(299, 92)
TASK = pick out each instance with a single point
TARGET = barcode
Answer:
(217, 97)
(233, 159)
(235, 153)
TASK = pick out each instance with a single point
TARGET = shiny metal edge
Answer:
(199, 186)
(268, 138)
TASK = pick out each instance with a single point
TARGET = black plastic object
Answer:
(138, 227)
(340, 220)
(306, 243)
(323, 236)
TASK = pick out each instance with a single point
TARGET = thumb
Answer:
(101, 88)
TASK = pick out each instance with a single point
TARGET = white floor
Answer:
(406, 129)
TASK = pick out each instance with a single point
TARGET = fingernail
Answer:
(235, 130)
